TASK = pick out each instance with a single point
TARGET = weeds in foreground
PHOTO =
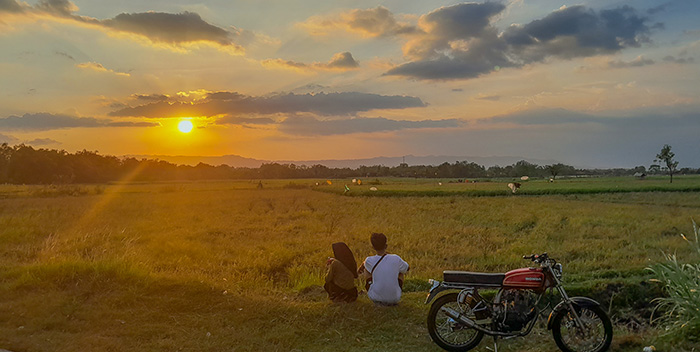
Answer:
(681, 309)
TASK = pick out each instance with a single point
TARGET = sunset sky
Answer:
(599, 83)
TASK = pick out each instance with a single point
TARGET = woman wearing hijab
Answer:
(342, 272)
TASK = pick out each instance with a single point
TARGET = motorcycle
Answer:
(458, 320)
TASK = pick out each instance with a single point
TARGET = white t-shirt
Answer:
(385, 284)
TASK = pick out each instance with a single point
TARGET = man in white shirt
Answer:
(385, 271)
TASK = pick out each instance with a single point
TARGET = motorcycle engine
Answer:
(513, 309)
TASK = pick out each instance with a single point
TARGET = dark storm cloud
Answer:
(309, 126)
(46, 121)
(169, 28)
(567, 33)
(330, 104)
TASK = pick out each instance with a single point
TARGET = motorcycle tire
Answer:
(440, 326)
(594, 318)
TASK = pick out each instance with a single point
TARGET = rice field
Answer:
(225, 266)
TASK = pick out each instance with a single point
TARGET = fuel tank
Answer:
(532, 278)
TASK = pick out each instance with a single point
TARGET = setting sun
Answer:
(185, 126)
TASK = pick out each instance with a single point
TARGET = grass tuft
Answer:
(681, 309)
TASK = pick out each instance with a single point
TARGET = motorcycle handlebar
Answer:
(536, 258)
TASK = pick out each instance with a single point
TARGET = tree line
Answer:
(22, 164)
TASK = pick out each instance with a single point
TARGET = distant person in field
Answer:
(385, 271)
(342, 272)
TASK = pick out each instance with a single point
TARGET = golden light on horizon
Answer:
(185, 126)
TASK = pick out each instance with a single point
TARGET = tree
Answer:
(560, 169)
(666, 157)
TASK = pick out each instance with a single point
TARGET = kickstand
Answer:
(495, 344)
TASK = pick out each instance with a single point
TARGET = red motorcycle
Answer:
(458, 320)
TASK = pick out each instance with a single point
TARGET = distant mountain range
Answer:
(239, 161)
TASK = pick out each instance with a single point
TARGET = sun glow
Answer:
(185, 126)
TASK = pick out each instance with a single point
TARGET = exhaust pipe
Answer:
(461, 318)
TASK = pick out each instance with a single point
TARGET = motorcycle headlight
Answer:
(558, 270)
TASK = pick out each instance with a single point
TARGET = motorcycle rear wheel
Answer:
(446, 332)
(595, 336)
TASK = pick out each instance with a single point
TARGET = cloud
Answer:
(679, 60)
(8, 139)
(66, 55)
(46, 121)
(58, 7)
(173, 29)
(11, 6)
(170, 28)
(657, 9)
(340, 61)
(43, 141)
(310, 126)
(577, 31)
(542, 117)
(94, 66)
(285, 64)
(488, 97)
(238, 120)
(231, 103)
(641, 120)
(639, 61)
(375, 22)
(150, 97)
(460, 41)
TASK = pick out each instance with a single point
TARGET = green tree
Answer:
(666, 157)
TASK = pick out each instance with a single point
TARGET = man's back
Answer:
(385, 285)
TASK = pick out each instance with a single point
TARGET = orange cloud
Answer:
(375, 22)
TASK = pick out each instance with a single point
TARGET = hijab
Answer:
(342, 252)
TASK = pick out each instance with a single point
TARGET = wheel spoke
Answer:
(586, 338)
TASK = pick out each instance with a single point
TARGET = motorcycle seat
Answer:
(477, 279)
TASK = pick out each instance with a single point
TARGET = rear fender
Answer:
(577, 301)
(436, 288)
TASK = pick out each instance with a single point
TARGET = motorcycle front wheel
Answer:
(447, 333)
(595, 335)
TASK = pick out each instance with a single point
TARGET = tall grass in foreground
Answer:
(681, 281)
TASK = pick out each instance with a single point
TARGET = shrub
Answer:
(681, 309)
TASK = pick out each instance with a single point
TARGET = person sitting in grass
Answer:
(342, 272)
(385, 272)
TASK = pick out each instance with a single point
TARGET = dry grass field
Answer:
(224, 266)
